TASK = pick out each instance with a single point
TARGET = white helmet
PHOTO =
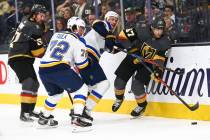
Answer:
(75, 22)
(111, 14)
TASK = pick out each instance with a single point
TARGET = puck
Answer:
(194, 123)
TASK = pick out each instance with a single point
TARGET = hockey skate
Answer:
(46, 122)
(80, 124)
(117, 105)
(25, 117)
(86, 115)
(26, 120)
(138, 111)
(34, 115)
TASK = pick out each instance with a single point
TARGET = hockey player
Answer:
(97, 40)
(149, 42)
(64, 50)
(25, 46)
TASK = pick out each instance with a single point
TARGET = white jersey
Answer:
(94, 41)
(65, 47)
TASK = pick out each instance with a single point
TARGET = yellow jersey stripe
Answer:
(96, 100)
(21, 55)
(28, 99)
(79, 102)
(93, 53)
(82, 66)
(38, 52)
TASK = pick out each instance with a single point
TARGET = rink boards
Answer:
(193, 86)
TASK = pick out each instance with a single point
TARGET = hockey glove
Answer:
(154, 77)
(110, 42)
(136, 61)
(158, 73)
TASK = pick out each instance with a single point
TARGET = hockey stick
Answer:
(71, 100)
(142, 59)
(192, 108)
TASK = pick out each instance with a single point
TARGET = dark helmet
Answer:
(37, 8)
(158, 23)
(130, 9)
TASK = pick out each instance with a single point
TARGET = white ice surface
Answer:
(107, 126)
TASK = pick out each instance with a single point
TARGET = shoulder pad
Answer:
(96, 21)
(71, 33)
(100, 27)
(130, 34)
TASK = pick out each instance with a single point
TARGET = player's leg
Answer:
(125, 70)
(27, 77)
(55, 81)
(98, 85)
(96, 93)
(79, 101)
(73, 84)
(28, 98)
(142, 78)
(140, 95)
(55, 94)
(119, 86)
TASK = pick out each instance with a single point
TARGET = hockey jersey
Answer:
(65, 48)
(23, 43)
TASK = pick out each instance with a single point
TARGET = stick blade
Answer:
(194, 107)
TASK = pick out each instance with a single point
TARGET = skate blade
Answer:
(135, 117)
(78, 129)
(39, 126)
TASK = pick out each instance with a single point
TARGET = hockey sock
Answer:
(141, 98)
(50, 103)
(119, 93)
(25, 107)
(27, 99)
(96, 94)
(92, 100)
(143, 104)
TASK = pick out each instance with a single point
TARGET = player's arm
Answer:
(37, 46)
(127, 39)
(102, 28)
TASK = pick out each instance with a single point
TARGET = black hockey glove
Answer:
(158, 73)
(110, 42)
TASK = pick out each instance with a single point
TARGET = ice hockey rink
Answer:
(106, 126)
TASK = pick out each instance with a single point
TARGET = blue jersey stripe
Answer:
(49, 104)
(96, 94)
(82, 63)
(80, 97)
(43, 62)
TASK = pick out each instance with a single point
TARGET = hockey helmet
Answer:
(158, 23)
(75, 22)
(130, 9)
(111, 14)
(37, 8)
(114, 22)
